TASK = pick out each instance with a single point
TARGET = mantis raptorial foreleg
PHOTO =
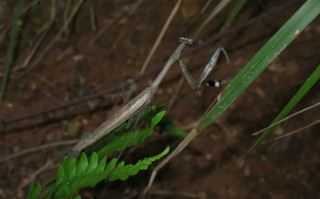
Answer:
(195, 85)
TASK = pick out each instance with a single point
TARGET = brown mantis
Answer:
(145, 97)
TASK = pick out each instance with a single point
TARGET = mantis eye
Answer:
(186, 41)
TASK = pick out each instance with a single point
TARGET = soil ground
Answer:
(78, 66)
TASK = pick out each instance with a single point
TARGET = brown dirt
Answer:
(208, 168)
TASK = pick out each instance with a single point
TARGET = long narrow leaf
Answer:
(288, 32)
(309, 83)
(234, 12)
(93, 15)
(11, 47)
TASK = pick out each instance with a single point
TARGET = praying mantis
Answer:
(145, 97)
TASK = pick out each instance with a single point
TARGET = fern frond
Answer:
(34, 191)
(87, 171)
(130, 138)
(122, 171)
(73, 175)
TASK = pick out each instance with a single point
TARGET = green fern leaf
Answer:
(93, 163)
(102, 164)
(82, 164)
(70, 167)
(111, 165)
(64, 192)
(73, 175)
(130, 138)
(96, 171)
(122, 171)
(33, 191)
(88, 171)
(60, 175)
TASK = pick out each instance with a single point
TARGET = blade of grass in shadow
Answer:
(287, 33)
(93, 15)
(234, 12)
(309, 83)
(11, 48)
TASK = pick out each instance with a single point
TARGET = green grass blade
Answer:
(309, 83)
(287, 33)
(93, 15)
(234, 12)
(70, 23)
(11, 48)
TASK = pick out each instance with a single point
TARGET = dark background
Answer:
(81, 63)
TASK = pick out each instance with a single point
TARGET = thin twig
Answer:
(160, 36)
(65, 16)
(33, 176)
(214, 12)
(54, 40)
(36, 46)
(120, 18)
(177, 193)
(46, 29)
(182, 145)
(297, 130)
(24, 11)
(38, 148)
(286, 118)
(204, 8)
